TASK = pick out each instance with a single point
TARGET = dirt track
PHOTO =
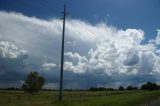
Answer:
(154, 103)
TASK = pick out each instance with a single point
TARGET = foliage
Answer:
(150, 86)
(101, 89)
(131, 88)
(33, 83)
(121, 88)
(97, 89)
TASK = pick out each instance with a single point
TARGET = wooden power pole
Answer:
(62, 56)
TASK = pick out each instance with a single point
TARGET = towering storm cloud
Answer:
(12, 63)
(95, 55)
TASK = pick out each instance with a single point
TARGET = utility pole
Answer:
(62, 56)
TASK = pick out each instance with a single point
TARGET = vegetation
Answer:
(121, 88)
(129, 96)
(33, 83)
(150, 86)
(78, 98)
(101, 89)
(131, 88)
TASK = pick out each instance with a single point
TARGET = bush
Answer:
(121, 88)
(149, 86)
(33, 83)
(97, 89)
(131, 88)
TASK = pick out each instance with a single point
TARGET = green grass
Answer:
(78, 98)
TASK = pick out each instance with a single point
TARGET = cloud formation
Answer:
(95, 55)
(123, 54)
(158, 37)
(48, 66)
(13, 64)
(9, 50)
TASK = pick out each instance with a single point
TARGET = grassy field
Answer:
(78, 98)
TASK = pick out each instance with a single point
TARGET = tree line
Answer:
(147, 86)
(34, 83)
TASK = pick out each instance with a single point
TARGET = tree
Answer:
(33, 83)
(149, 86)
(121, 88)
(129, 88)
(97, 89)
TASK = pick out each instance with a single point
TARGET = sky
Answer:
(108, 43)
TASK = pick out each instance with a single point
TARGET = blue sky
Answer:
(110, 42)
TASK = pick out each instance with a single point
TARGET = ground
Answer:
(81, 98)
(155, 102)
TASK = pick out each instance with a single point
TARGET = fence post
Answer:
(19, 97)
(9, 99)
(46, 98)
(29, 98)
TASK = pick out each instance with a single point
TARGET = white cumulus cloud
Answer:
(123, 54)
(48, 66)
(9, 50)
